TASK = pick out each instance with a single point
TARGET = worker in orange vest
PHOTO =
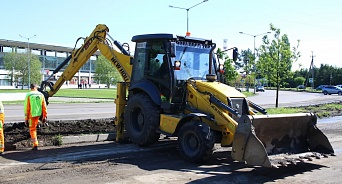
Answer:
(2, 123)
(34, 108)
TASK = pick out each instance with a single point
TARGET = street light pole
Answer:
(29, 55)
(254, 47)
(187, 14)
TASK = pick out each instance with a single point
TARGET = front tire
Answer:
(339, 93)
(142, 117)
(325, 92)
(196, 141)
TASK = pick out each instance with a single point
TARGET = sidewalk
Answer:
(21, 96)
(13, 96)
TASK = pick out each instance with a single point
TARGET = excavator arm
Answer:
(96, 41)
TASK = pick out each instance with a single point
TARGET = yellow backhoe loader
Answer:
(171, 87)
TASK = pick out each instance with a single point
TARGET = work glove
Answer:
(44, 121)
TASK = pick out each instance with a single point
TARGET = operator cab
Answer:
(164, 62)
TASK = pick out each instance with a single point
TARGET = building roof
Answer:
(37, 46)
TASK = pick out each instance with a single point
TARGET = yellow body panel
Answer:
(223, 121)
(168, 123)
(120, 103)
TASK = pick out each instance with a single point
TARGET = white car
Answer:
(328, 90)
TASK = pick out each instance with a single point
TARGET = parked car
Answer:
(320, 87)
(340, 85)
(260, 88)
(301, 87)
(332, 90)
(238, 89)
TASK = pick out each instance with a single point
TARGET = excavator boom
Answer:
(96, 41)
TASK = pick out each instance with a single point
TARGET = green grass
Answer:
(323, 110)
(14, 91)
(57, 140)
(284, 110)
(82, 93)
(88, 93)
(248, 94)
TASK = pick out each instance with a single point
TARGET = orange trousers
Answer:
(33, 123)
(2, 136)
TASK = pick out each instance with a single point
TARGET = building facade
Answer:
(50, 56)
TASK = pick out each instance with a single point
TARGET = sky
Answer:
(317, 24)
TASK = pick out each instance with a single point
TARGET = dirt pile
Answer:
(17, 135)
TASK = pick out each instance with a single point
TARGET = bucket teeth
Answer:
(285, 160)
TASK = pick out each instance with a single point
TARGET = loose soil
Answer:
(17, 134)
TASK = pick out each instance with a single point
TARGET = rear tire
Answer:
(339, 93)
(325, 92)
(196, 141)
(142, 120)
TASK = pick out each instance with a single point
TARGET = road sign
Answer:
(310, 80)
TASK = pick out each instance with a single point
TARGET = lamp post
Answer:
(29, 54)
(187, 14)
(254, 46)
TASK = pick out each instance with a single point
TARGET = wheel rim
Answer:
(191, 142)
(137, 119)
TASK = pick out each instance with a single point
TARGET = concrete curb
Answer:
(88, 138)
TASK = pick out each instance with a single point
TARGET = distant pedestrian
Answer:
(2, 123)
(34, 108)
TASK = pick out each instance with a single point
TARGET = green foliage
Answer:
(276, 58)
(57, 140)
(324, 75)
(248, 61)
(299, 81)
(105, 72)
(236, 82)
(230, 74)
(17, 66)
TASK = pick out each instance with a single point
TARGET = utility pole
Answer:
(28, 55)
(311, 69)
(254, 53)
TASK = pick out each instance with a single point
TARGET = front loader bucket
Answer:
(278, 140)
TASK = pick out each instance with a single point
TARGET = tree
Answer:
(276, 58)
(230, 74)
(247, 61)
(105, 72)
(299, 81)
(17, 65)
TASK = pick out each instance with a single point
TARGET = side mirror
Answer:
(235, 54)
(172, 49)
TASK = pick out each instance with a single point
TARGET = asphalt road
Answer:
(65, 111)
(110, 162)
(71, 108)
(267, 99)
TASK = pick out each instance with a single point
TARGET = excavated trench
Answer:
(17, 134)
